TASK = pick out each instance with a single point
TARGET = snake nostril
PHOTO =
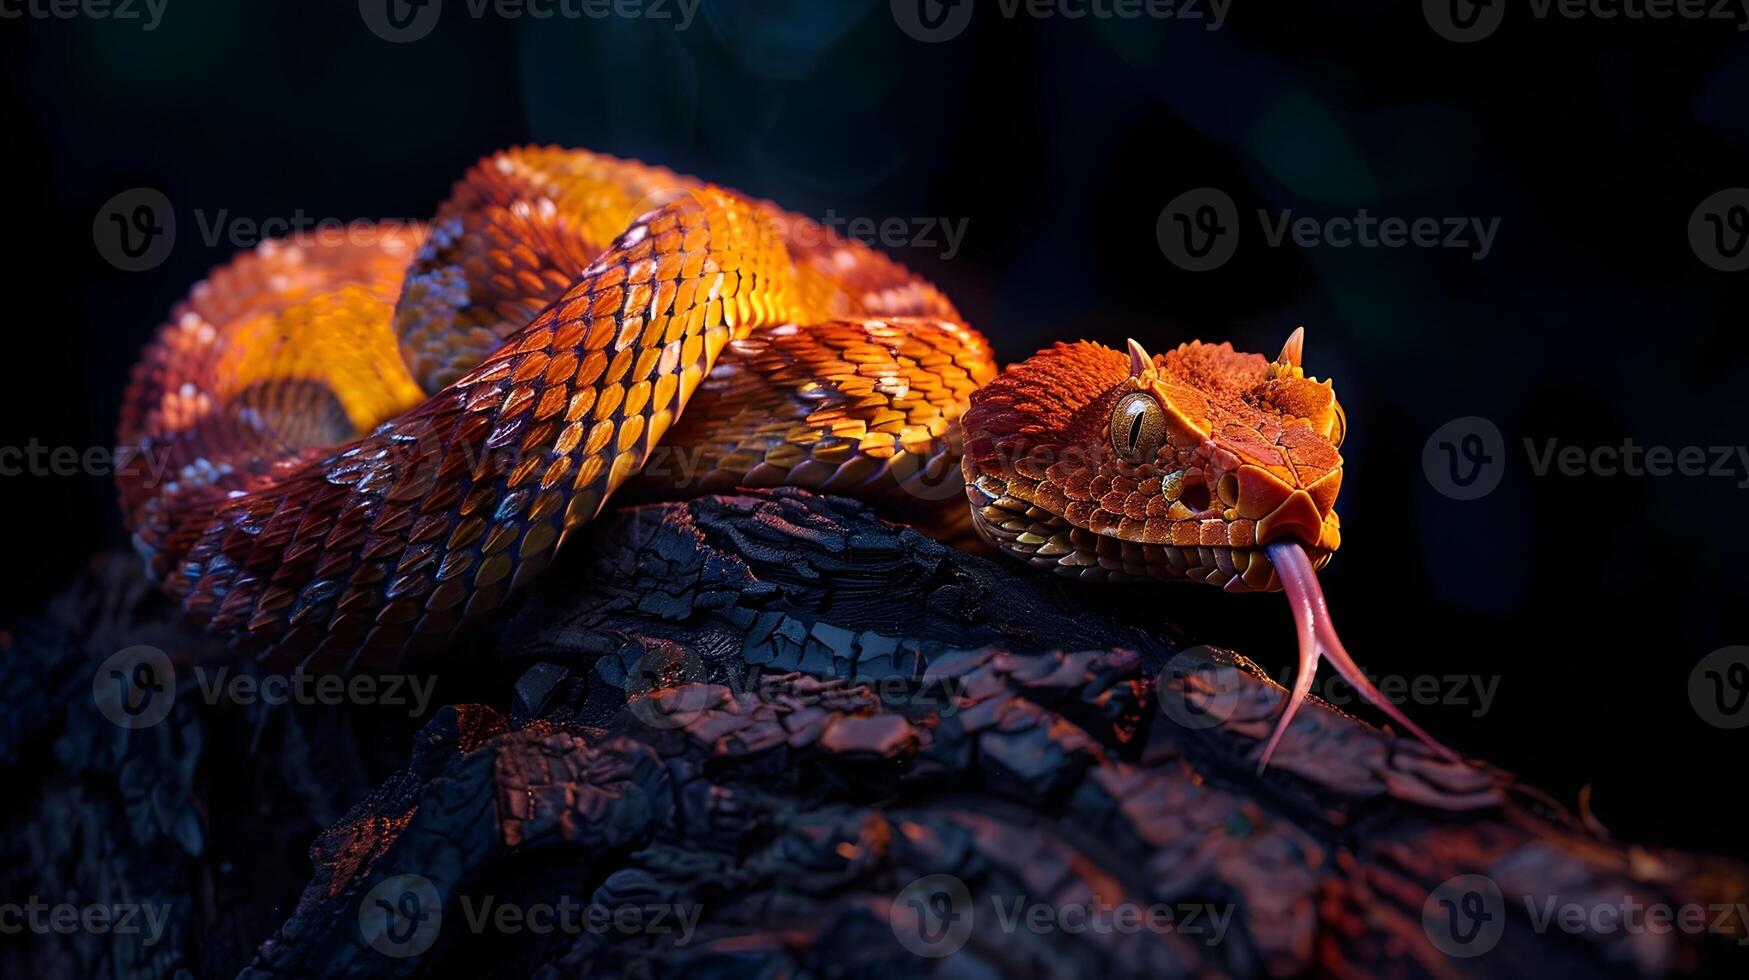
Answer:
(1195, 495)
(1227, 487)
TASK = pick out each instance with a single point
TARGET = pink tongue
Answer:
(1317, 632)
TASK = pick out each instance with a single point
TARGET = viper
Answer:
(374, 435)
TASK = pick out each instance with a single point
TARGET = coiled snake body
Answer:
(373, 437)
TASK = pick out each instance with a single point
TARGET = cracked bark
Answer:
(777, 712)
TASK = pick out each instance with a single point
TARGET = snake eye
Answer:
(1138, 426)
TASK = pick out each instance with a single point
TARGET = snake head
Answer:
(1111, 465)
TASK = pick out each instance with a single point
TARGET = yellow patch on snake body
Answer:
(341, 340)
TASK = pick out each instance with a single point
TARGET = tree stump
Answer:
(772, 734)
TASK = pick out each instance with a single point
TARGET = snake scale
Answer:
(372, 438)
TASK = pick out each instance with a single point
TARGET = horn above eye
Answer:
(1294, 349)
(1140, 360)
(1287, 363)
(1138, 427)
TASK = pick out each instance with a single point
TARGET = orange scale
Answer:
(1212, 533)
(1185, 534)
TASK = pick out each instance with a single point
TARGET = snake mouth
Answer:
(1286, 563)
(1318, 636)
(1051, 541)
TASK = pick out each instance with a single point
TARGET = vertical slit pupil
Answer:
(1135, 430)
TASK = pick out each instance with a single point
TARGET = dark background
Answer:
(1059, 142)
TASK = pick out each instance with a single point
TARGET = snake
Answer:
(367, 437)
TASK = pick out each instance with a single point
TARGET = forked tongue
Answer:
(1317, 632)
